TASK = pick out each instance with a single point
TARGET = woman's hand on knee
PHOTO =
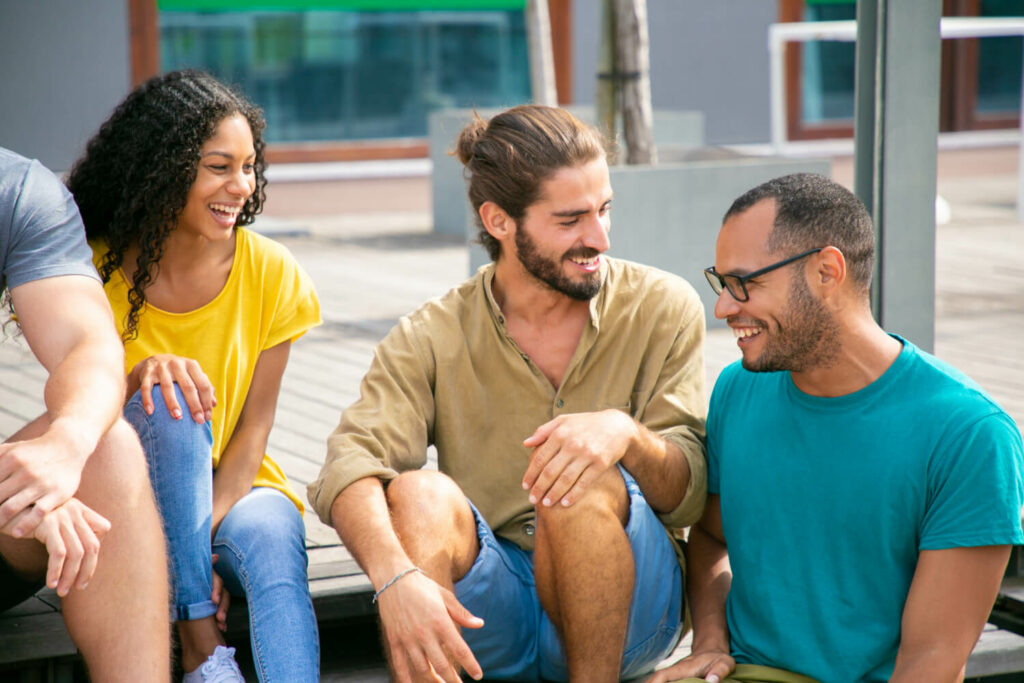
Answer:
(167, 370)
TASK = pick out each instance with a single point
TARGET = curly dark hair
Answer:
(133, 181)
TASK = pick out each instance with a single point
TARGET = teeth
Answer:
(744, 332)
(584, 262)
(226, 208)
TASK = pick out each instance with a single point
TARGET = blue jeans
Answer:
(261, 544)
(518, 640)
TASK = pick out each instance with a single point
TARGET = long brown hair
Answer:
(509, 157)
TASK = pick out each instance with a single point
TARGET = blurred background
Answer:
(363, 99)
(357, 79)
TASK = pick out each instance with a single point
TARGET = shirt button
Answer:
(529, 529)
(559, 403)
(501, 319)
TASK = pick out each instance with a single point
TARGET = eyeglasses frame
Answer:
(717, 280)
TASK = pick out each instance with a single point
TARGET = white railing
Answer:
(846, 31)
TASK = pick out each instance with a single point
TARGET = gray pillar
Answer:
(896, 127)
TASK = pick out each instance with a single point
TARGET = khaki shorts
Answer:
(752, 673)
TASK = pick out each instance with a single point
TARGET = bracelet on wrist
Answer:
(394, 579)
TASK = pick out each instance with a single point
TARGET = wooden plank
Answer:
(334, 570)
(31, 607)
(1011, 593)
(36, 636)
(997, 652)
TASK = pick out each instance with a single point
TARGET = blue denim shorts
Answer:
(518, 640)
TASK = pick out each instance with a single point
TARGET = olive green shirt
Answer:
(450, 375)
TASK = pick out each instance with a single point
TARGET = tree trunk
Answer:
(632, 60)
(542, 61)
(607, 85)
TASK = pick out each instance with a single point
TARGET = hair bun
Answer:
(468, 138)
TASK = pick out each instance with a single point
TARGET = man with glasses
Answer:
(862, 494)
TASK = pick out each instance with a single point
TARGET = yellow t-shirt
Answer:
(268, 299)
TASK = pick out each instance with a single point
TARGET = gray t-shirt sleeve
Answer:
(41, 231)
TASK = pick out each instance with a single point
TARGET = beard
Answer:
(550, 272)
(807, 337)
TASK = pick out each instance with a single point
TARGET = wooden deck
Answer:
(370, 271)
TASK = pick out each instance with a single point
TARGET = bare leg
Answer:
(199, 638)
(435, 525)
(583, 566)
(120, 622)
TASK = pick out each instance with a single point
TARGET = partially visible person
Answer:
(208, 311)
(76, 509)
(863, 495)
(564, 391)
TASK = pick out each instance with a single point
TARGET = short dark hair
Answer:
(133, 181)
(813, 211)
(508, 158)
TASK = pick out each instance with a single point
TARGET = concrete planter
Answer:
(673, 130)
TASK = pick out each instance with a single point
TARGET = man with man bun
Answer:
(564, 392)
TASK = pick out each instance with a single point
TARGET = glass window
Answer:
(349, 75)
(828, 68)
(999, 62)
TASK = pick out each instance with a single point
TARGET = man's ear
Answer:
(496, 222)
(830, 273)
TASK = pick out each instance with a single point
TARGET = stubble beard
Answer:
(550, 273)
(807, 338)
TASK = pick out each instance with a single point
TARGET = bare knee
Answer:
(605, 501)
(116, 470)
(429, 496)
(428, 506)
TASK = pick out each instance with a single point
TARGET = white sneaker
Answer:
(220, 667)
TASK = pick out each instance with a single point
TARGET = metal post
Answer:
(1020, 153)
(895, 130)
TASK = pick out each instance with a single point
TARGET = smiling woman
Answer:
(225, 178)
(208, 311)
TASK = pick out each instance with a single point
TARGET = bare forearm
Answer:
(659, 467)
(361, 517)
(85, 391)
(931, 665)
(708, 579)
(236, 473)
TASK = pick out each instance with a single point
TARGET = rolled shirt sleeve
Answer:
(387, 430)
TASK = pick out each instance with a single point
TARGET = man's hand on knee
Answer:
(36, 476)
(71, 535)
(421, 620)
(712, 666)
(572, 451)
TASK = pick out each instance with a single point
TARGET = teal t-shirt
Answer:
(826, 503)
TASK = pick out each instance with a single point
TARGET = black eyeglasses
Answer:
(737, 284)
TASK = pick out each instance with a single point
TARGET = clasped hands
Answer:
(38, 478)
